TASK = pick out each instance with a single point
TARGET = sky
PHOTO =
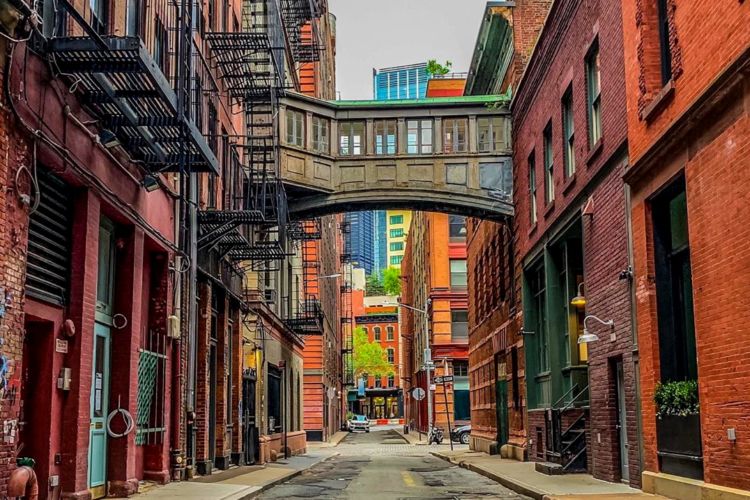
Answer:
(382, 33)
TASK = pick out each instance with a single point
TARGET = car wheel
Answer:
(464, 438)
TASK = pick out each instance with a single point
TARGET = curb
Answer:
(521, 488)
(284, 479)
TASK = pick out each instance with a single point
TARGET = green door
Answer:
(501, 392)
(99, 410)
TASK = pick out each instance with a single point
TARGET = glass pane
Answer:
(98, 388)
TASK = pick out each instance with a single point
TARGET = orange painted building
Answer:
(435, 278)
(450, 85)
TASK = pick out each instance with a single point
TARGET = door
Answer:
(248, 419)
(212, 404)
(501, 400)
(97, 475)
(622, 424)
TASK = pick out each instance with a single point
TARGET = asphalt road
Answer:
(380, 465)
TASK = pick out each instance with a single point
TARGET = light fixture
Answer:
(150, 182)
(579, 300)
(108, 139)
(592, 337)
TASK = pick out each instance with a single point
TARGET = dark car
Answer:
(461, 434)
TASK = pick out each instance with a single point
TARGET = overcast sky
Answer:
(381, 33)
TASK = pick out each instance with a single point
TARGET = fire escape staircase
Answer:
(347, 314)
(566, 422)
(309, 317)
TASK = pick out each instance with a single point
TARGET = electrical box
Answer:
(63, 381)
(427, 355)
(54, 481)
(173, 327)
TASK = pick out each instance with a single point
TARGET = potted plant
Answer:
(678, 427)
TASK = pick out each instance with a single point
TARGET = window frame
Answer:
(351, 146)
(420, 144)
(454, 221)
(390, 354)
(594, 94)
(568, 133)
(381, 129)
(396, 246)
(396, 233)
(321, 134)
(491, 144)
(549, 164)
(453, 127)
(295, 135)
(455, 335)
(396, 219)
(390, 332)
(396, 260)
(533, 209)
(377, 333)
(453, 283)
(665, 50)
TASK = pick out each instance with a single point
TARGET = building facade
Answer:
(435, 282)
(380, 241)
(400, 82)
(571, 225)
(397, 230)
(363, 239)
(688, 129)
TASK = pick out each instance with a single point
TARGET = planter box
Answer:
(679, 446)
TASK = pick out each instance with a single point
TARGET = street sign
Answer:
(418, 393)
(445, 378)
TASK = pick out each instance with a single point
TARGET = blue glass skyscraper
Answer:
(400, 82)
(362, 238)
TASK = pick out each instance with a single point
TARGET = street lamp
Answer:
(427, 354)
(592, 337)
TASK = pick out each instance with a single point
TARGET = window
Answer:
(397, 233)
(549, 168)
(351, 138)
(391, 381)
(665, 49)
(378, 382)
(295, 128)
(367, 331)
(396, 260)
(377, 332)
(389, 331)
(397, 246)
(397, 219)
(99, 16)
(274, 399)
(391, 355)
(568, 127)
(460, 368)
(454, 135)
(457, 228)
(419, 137)
(593, 82)
(161, 45)
(321, 136)
(459, 325)
(674, 290)
(532, 188)
(385, 137)
(489, 134)
(538, 315)
(227, 13)
(458, 273)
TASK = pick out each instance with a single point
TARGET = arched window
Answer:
(391, 355)
(377, 331)
(389, 332)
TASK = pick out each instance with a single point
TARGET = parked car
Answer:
(359, 423)
(461, 434)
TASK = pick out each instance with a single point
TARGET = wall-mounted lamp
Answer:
(579, 300)
(592, 337)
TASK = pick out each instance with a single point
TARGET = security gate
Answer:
(249, 427)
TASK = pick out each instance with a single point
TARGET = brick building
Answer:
(688, 137)
(506, 36)
(571, 226)
(435, 281)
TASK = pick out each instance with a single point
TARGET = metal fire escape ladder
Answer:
(309, 317)
(347, 319)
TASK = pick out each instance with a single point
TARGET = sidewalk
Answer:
(522, 478)
(241, 483)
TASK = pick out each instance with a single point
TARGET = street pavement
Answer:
(382, 465)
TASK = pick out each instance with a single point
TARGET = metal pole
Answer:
(428, 367)
(283, 410)
(445, 398)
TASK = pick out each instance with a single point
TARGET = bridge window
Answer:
(454, 135)
(396, 260)
(397, 246)
(458, 273)
(385, 137)
(457, 228)
(419, 137)
(351, 138)
(549, 167)
(397, 233)
(490, 134)
(321, 135)
(295, 128)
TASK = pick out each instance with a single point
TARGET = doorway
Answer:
(622, 428)
(248, 417)
(98, 412)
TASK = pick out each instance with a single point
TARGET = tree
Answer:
(369, 357)
(392, 281)
(374, 285)
(435, 68)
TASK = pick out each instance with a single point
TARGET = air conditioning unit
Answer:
(173, 327)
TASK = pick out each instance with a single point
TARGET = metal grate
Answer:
(149, 418)
(48, 263)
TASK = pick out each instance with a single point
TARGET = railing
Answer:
(568, 444)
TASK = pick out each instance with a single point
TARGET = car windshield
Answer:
(359, 418)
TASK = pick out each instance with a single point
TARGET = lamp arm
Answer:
(610, 323)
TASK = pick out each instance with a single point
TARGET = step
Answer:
(549, 468)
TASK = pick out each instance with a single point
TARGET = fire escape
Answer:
(347, 314)
(308, 318)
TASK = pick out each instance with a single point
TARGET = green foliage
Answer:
(435, 68)
(677, 399)
(349, 415)
(392, 281)
(369, 357)
(374, 286)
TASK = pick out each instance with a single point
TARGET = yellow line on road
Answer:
(408, 480)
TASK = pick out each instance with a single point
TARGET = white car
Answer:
(359, 423)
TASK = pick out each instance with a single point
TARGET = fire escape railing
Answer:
(347, 313)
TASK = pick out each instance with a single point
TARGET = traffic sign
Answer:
(418, 393)
(445, 378)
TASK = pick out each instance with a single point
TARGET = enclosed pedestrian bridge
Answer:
(448, 155)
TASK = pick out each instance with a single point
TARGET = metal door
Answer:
(212, 404)
(622, 424)
(97, 470)
(501, 400)
(248, 418)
